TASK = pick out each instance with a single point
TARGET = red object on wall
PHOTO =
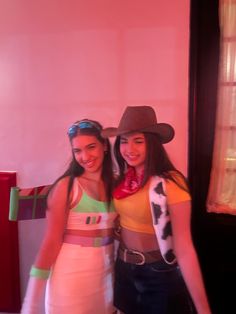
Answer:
(10, 300)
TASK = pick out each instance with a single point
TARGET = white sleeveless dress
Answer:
(81, 281)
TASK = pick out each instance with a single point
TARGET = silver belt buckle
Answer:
(140, 254)
(126, 251)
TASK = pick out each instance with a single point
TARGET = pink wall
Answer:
(65, 60)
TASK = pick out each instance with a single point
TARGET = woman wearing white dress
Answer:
(75, 260)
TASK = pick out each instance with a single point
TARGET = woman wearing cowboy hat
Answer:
(157, 269)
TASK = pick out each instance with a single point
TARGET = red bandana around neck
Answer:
(130, 185)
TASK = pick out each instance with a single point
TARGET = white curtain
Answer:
(222, 188)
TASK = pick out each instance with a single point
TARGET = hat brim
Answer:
(164, 130)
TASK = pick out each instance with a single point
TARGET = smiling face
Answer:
(133, 149)
(88, 152)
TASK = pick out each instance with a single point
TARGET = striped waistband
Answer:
(88, 241)
(91, 233)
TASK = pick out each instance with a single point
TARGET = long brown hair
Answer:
(76, 170)
(157, 162)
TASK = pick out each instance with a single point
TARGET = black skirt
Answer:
(156, 288)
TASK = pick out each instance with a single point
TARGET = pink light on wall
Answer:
(65, 60)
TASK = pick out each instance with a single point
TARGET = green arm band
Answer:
(39, 272)
(14, 203)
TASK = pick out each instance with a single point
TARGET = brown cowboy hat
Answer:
(141, 119)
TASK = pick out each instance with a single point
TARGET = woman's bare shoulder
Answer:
(59, 191)
(60, 185)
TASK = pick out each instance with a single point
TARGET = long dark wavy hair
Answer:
(75, 170)
(157, 162)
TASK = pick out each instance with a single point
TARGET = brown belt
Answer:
(137, 257)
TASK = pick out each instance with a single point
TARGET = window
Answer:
(222, 188)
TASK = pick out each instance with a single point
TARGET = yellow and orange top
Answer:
(134, 210)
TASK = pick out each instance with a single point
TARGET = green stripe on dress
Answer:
(87, 204)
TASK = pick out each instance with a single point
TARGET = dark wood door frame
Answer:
(213, 234)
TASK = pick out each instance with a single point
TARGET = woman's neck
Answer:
(94, 177)
(139, 171)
